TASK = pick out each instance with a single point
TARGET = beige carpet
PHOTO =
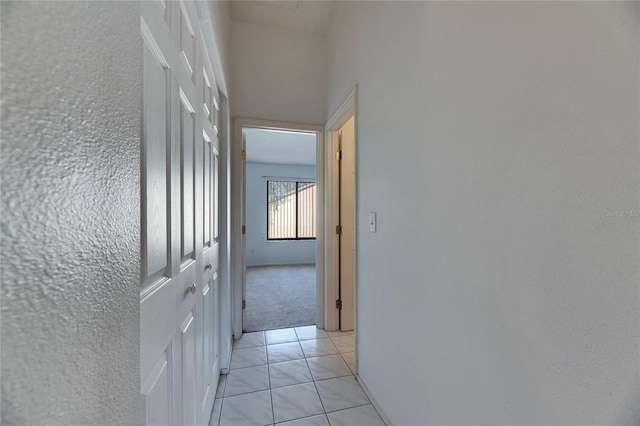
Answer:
(280, 297)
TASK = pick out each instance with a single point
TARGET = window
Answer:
(291, 210)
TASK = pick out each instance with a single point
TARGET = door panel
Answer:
(216, 195)
(185, 38)
(157, 325)
(155, 394)
(156, 97)
(179, 299)
(243, 213)
(215, 119)
(217, 321)
(189, 396)
(207, 175)
(206, 96)
(187, 124)
(207, 317)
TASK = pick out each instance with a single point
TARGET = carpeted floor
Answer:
(280, 297)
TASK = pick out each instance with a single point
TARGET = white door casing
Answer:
(180, 291)
(332, 249)
(237, 207)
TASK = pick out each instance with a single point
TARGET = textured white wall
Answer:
(259, 250)
(277, 74)
(499, 145)
(71, 93)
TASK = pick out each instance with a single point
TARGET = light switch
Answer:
(372, 222)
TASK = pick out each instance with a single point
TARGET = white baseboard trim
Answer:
(257, 265)
(225, 368)
(383, 416)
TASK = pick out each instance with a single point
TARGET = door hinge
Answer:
(244, 154)
(338, 155)
(244, 304)
(244, 229)
(339, 230)
(338, 304)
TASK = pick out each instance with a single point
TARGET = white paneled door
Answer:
(180, 294)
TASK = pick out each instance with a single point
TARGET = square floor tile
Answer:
(344, 343)
(215, 414)
(249, 340)
(289, 373)
(246, 380)
(294, 402)
(340, 393)
(248, 409)
(319, 347)
(284, 352)
(283, 335)
(320, 420)
(364, 415)
(310, 332)
(350, 359)
(248, 357)
(328, 367)
(221, 382)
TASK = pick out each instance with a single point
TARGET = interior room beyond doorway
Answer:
(280, 248)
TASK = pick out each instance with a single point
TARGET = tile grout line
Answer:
(305, 417)
(355, 406)
(324, 410)
(266, 351)
(220, 415)
(348, 366)
(305, 359)
(273, 410)
(341, 409)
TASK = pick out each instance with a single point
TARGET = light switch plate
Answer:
(372, 222)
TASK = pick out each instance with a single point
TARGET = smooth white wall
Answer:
(215, 25)
(497, 143)
(277, 74)
(260, 251)
(70, 168)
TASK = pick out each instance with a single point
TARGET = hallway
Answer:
(496, 216)
(294, 376)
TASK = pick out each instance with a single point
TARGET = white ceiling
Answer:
(278, 147)
(311, 17)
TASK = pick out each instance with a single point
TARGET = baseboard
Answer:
(383, 416)
(282, 264)
(225, 369)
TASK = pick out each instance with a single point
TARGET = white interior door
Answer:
(347, 223)
(179, 299)
(243, 212)
(210, 337)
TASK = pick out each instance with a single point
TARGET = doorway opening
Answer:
(280, 199)
(279, 278)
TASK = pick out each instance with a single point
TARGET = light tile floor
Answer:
(299, 376)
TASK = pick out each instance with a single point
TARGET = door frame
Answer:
(345, 111)
(238, 249)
